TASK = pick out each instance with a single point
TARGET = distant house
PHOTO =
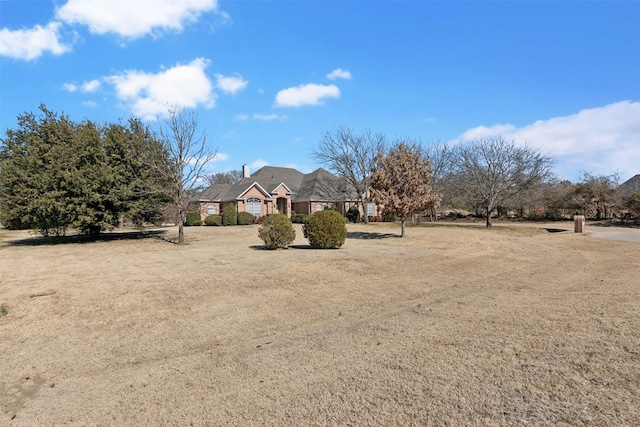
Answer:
(281, 190)
(630, 186)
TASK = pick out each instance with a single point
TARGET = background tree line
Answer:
(486, 177)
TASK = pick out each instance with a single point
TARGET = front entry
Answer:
(282, 204)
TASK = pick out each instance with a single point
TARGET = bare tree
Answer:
(401, 181)
(493, 170)
(441, 157)
(351, 157)
(228, 177)
(185, 153)
(598, 195)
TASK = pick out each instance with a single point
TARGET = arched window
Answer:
(254, 206)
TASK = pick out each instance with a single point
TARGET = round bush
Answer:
(277, 231)
(298, 218)
(193, 218)
(245, 218)
(353, 214)
(325, 229)
(213, 220)
(229, 216)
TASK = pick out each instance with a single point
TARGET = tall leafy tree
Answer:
(56, 174)
(401, 181)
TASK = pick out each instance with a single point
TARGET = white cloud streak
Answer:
(29, 44)
(231, 84)
(148, 95)
(268, 117)
(133, 19)
(339, 73)
(599, 140)
(309, 94)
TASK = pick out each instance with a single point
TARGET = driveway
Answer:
(616, 234)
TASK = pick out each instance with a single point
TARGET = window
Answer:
(211, 209)
(254, 206)
(370, 209)
(318, 207)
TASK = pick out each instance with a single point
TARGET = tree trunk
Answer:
(365, 217)
(489, 225)
(402, 227)
(180, 233)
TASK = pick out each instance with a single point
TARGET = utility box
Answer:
(578, 224)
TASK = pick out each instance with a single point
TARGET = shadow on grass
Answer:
(366, 235)
(555, 230)
(84, 238)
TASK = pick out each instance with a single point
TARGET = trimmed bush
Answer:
(229, 216)
(277, 231)
(298, 218)
(193, 219)
(213, 220)
(245, 218)
(325, 229)
(353, 214)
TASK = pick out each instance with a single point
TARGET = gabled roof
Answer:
(319, 185)
(630, 186)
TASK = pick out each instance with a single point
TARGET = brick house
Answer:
(281, 190)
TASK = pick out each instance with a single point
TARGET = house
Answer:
(630, 186)
(281, 190)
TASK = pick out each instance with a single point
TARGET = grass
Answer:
(454, 325)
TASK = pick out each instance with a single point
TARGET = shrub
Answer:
(213, 220)
(229, 216)
(193, 218)
(389, 218)
(353, 214)
(245, 218)
(277, 231)
(260, 219)
(325, 229)
(298, 218)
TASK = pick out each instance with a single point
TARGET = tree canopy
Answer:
(57, 174)
(493, 170)
(401, 181)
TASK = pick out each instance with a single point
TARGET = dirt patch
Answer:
(448, 326)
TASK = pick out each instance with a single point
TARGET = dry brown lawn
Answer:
(448, 326)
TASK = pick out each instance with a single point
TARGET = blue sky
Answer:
(269, 78)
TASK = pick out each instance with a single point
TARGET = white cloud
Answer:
(133, 19)
(268, 117)
(339, 73)
(90, 104)
(599, 140)
(241, 117)
(231, 84)
(220, 157)
(86, 87)
(258, 164)
(69, 87)
(148, 94)
(28, 44)
(309, 94)
(91, 86)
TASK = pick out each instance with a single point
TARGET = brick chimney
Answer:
(245, 171)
